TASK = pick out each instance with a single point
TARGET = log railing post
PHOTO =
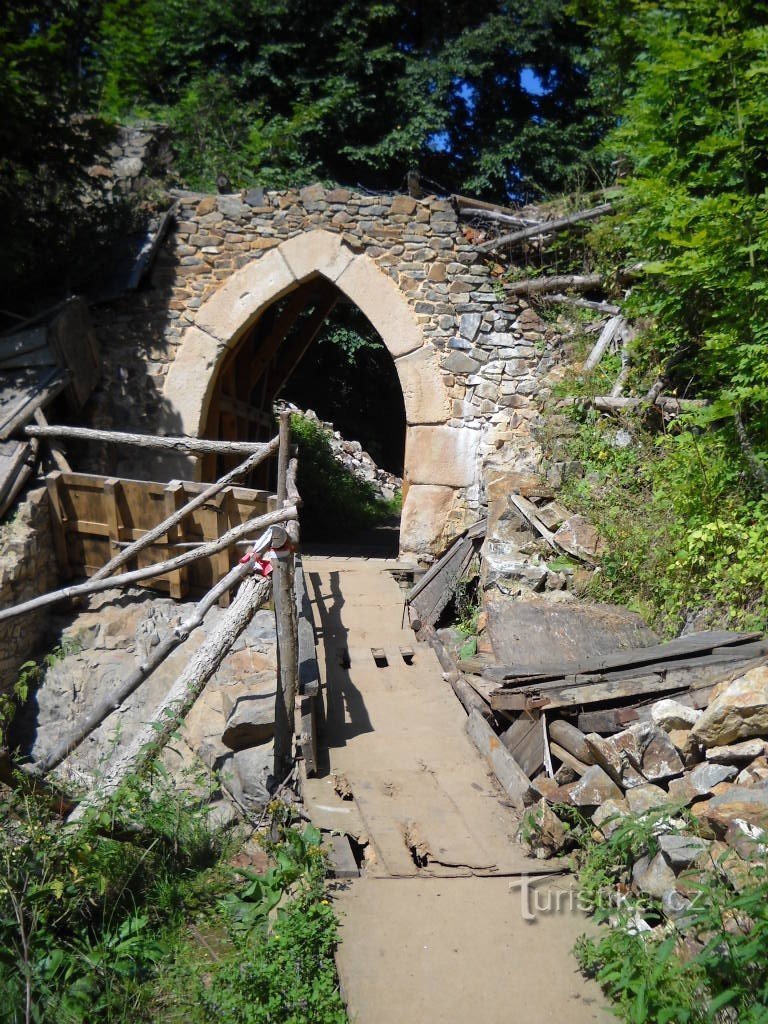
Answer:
(283, 542)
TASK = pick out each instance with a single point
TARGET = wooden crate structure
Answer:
(93, 517)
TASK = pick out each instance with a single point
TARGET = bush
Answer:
(336, 505)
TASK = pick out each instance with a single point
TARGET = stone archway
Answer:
(439, 459)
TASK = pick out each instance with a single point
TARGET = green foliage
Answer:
(644, 972)
(685, 532)
(29, 675)
(283, 933)
(683, 509)
(85, 918)
(279, 92)
(336, 505)
(98, 928)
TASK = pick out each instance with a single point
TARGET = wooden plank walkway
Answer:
(434, 930)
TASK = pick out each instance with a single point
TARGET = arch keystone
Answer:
(316, 251)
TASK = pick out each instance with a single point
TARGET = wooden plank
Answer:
(20, 343)
(342, 860)
(694, 643)
(525, 742)
(52, 384)
(596, 689)
(434, 595)
(13, 455)
(511, 776)
(308, 715)
(309, 671)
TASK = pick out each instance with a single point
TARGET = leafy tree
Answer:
(45, 147)
(690, 145)
(493, 99)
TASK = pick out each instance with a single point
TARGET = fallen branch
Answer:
(667, 403)
(188, 445)
(547, 227)
(158, 569)
(533, 285)
(569, 300)
(151, 739)
(608, 334)
(174, 638)
(176, 517)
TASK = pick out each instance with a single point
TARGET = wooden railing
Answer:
(102, 524)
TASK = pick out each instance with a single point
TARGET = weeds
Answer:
(99, 928)
(708, 964)
(336, 504)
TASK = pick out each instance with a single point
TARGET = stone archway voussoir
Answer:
(382, 302)
(424, 393)
(235, 306)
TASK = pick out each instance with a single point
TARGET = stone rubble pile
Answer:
(224, 750)
(352, 456)
(714, 762)
(517, 560)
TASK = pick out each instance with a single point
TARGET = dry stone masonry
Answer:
(472, 365)
(27, 569)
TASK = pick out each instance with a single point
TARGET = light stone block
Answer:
(426, 399)
(190, 380)
(316, 252)
(379, 298)
(441, 455)
(425, 512)
(236, 305)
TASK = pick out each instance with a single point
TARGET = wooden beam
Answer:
(546, 227)
(188, 445)
(283, 323)
(296, 346)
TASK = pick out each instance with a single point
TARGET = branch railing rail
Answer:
(277, 545)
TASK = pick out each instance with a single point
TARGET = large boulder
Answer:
(738, 711)
(251, 721)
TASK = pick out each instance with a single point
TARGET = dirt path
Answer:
(439, 927)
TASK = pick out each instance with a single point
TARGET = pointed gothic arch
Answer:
(438, 458)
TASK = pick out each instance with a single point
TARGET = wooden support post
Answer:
(112, 488)
(172, 499)
(221, 562)
(283, 456)
(285, 618)
(58, 524)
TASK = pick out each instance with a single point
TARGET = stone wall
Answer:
(483, 357)
(27, 569)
